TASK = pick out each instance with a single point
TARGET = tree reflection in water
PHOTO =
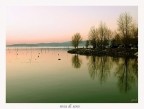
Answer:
(99, 67)
(102, 67)
(125, 69)
(127, 73)
(92, 67)
(76, 62)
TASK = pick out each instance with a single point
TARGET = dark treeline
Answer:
(125, 36)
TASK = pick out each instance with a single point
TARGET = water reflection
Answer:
(38, 71)
(76, 62)
(93, 66)
(127, 74)
(99, 67)
(103, 67)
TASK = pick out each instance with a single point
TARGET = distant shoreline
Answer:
(43, 47)
(52, 44)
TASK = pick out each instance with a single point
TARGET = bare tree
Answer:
(124, 26)
(76, 39)
(93, 37)
(103, 34)
(116, 39)
(134, 34)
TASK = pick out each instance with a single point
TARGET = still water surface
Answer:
(35, 75)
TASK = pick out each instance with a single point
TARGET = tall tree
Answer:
(93, 37)
(76, 39)
(103, 34)
(124, 26)
(134, 33)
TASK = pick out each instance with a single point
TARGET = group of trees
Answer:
(100, 37)
(128, 30)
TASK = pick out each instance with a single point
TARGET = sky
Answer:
(43, 24)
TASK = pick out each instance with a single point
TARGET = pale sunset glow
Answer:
(42, 24)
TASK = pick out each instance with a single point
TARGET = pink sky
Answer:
(41, 24)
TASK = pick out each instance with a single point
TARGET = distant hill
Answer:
(63, 44)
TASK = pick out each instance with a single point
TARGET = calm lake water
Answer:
(35, 75)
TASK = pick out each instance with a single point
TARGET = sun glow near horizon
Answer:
(41, 24)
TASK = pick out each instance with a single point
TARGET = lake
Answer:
(51, 75)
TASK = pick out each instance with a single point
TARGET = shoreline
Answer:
(114, 52)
